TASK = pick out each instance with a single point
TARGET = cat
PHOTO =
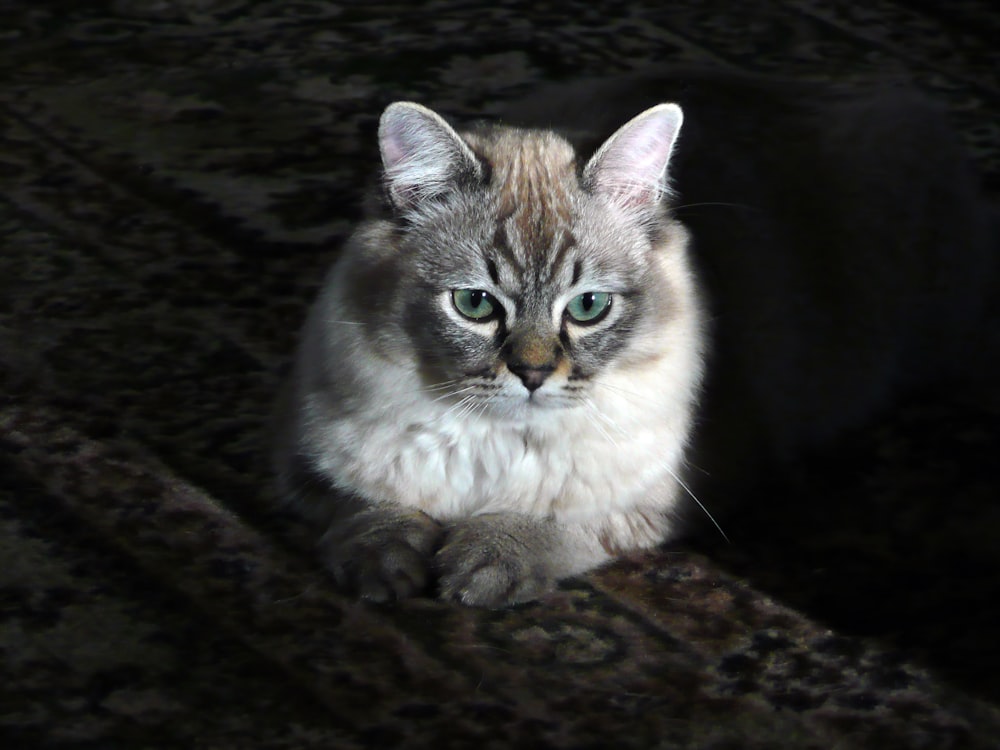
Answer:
(531, 362)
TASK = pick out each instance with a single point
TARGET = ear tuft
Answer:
(631, 167)
(422, 155)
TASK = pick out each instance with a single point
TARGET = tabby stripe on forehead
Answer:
(568, 241)
(552, 265)
(491, 269)
(502, 245)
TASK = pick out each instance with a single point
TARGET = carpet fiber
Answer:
(175, 177)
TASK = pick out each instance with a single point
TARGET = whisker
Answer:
(607, 420)
(597, 425)
(699, 502)
(711, 203)
(628, 393)
(594, 411)
(449, 394)
(483, 406)
(465, 406)
(471, 404)
(462, 403)
(623, 391)
(439, 386)
(662, 465)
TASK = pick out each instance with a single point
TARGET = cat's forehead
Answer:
(526, 164)
(533, 188)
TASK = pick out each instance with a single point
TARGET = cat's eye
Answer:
(475, 304)
(589, 307)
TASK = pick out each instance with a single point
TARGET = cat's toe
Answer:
(385, 562)
(485, 570)
(388, 571)
(492, 586)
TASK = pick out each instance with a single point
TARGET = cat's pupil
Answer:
(587, 300)
(476, 298)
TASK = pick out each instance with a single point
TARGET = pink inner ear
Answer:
(402, 137)
(631, 167)
(421, 153)
(392, 148)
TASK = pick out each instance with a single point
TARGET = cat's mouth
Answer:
(521, 402)
(538, 400)
(506, 395)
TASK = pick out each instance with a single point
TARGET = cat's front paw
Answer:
(382, 554)
(494, 561)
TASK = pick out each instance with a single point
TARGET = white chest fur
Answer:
(621, 449)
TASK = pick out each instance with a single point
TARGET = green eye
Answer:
(589, 307)
(475, 304)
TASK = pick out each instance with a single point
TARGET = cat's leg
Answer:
(382, 551)
(494, 560)
(498, 559)
(376, 550)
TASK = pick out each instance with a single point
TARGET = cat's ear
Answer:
(631, 167)
(422, 155)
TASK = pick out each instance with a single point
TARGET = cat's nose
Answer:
(532, 377)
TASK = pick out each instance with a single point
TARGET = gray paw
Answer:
(494, 561)
(381, 554)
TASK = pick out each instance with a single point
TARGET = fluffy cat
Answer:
(501, 383)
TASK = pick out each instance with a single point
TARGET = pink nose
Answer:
(532, 377)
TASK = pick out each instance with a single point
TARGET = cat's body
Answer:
(498, 386)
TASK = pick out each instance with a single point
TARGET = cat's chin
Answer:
(525, 408)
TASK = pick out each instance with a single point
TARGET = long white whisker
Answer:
(462, 403)
(449, 394)
(439, 386)
(623, 391)
(483, 406)
(710, 203)
(607, 420)
(592, 412)
(470, 408)
(465, 406)
(664, 466)
(699, 502)
(595, 411)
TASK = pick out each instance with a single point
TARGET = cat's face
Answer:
(521, 288)
(507, 325)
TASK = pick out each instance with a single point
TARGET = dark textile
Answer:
(175, 178)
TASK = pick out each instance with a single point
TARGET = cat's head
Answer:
(525, 280)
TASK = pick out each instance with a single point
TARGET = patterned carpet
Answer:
(174, 179)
